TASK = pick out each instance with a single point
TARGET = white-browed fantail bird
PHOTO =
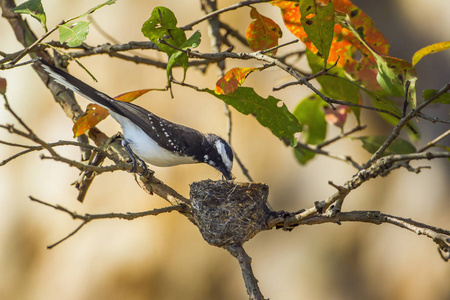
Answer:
(149, 138)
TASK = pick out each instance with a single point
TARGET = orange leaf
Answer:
(130, 96)
(344, 44)
(95, 113)
(364, 25)
(228, 83)
(262, 33)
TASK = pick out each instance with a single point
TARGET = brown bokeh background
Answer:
(165, 257)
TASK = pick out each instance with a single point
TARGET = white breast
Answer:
(146, 148)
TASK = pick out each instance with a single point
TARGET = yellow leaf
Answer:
(429, 50)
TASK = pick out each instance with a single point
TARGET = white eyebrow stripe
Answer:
(223, 153)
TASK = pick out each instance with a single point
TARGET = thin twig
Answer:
(38, 148)
(432, 119)
(279, 46)
(97, 169)
(435, 141)
(27, 49)
(67, 236)
(376, 169)
(86, 218)
(234, 33)
(396, 131)
(30, 135)
(341, 136)
(220, 11)
(405, 100)
(317, 150)
(243, 168)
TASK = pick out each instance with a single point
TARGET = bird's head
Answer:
(220, 155)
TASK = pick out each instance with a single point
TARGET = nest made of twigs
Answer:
(227, 212)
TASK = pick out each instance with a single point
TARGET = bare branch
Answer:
(30, 148)
(125, 216)
(84, 167)
(245, 171)
(319, 150)
(279, 46)
(341, 136)
(438, 235)
(435, 141)
(234, 33)
(396, 131)
(251, 283)
(86, 218)
(220, 11)
(432, 119)
(363, 175)
(30, 135)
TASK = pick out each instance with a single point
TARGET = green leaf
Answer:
(193, 41)
(161, 17)
(318, 22)
(33, 8)
(335, 87)
(267, 111)
(311, 115)
(429, 50)
(393, 74)
(181, 57)
(303, 155)
(161, 23)
(444, 98)
(73, 33)
(399, 146)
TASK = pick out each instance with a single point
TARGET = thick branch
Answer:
(438, 235)
(251, 283)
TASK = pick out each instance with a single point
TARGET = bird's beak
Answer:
(228, 176)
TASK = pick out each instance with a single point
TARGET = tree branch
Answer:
(396, 131)
(376, 169)
(86, 218)
(220, 11)
(438, 235)
(251, 283)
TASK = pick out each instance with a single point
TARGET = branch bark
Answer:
(245, 261)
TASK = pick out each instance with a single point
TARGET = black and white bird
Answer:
(153, 139)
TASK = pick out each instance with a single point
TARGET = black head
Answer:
(219, 155)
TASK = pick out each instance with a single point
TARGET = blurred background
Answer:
(165, 257)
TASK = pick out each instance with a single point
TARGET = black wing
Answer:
(171, 136)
